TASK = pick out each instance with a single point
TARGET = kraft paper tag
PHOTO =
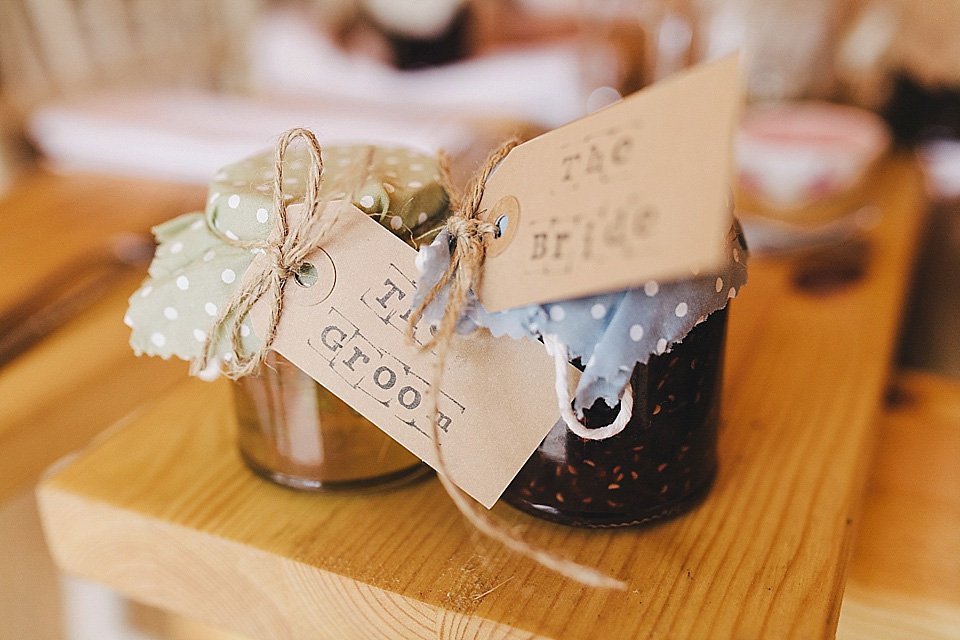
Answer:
(637, 191)
(347, 332)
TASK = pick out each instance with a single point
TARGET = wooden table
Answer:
(904, 581)
(84, 377)
(56, 397)
(164, 510)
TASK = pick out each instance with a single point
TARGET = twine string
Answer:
(470, 236)
(286, 248)
(561, 362)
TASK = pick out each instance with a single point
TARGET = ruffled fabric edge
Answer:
(633, 324)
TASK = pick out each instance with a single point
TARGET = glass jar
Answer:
(661, 464)
(298, 434)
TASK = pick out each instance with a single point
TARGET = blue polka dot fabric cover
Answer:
(195, 270)
(610, 333)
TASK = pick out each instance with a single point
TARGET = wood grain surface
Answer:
(51, 220)
(164, 510)
(905, 574)
(84, 377)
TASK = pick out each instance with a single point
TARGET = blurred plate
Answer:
(768, 236)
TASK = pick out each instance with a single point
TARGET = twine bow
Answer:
(469, 237)
(286, 249)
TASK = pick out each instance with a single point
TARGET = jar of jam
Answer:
(295, 432)
(661, 464)
(291, 430)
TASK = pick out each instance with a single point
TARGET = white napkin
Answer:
(188, 136)
(539, 83)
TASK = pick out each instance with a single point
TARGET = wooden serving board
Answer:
(164, 510)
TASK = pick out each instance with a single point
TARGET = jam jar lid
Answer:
(198, 266)
(609, 333)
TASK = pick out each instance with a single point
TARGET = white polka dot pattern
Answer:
(610, 332)
(196, 269)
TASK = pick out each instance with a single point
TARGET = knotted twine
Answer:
(470, 236)
(286, 249)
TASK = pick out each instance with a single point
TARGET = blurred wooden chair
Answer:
(52, 48)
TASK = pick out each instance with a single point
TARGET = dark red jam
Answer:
(660, 465)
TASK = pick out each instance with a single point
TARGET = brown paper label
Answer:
(639, 190)
(497, 400)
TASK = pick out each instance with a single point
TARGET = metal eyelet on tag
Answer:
(316, 283)
(506, 215)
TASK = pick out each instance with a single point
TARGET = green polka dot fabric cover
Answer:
(610, 333)
(195, 271)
